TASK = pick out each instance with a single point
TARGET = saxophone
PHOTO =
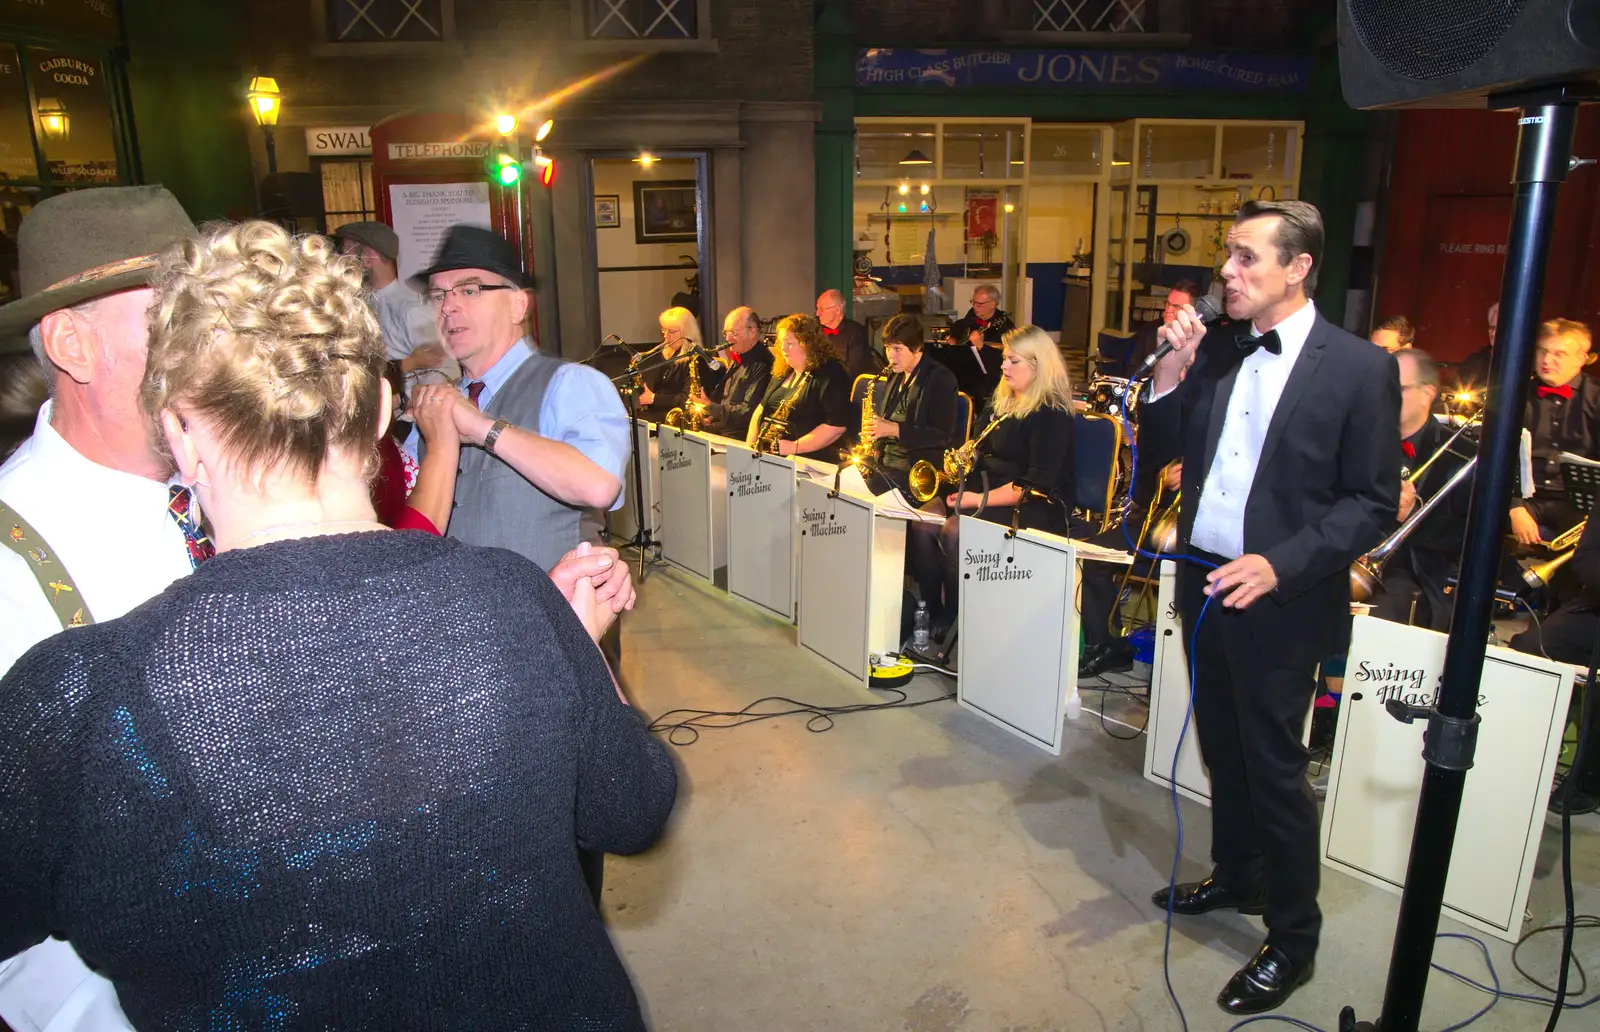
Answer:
(958, 462)
(773, 426)
(864, 456)
(695, 417)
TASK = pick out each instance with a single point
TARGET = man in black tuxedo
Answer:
(1286, 430)
(849, 337)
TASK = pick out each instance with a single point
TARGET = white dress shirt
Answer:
(1219, 516)
(111, 531)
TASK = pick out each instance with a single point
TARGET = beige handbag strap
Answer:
(54, 580)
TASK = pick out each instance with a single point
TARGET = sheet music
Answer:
(894, 504)
(1100, 553)
(1525, 462)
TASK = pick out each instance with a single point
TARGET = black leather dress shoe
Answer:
(1263, 984)
(1103, 659)
(1200, 897)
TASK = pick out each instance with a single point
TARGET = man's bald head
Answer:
(830, 308)
(741, 329)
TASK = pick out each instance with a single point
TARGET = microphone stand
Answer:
(628, 387)
(1544, 156)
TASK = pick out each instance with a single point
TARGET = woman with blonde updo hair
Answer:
(1023, 471)
(666, 384)
(819, 385)
(354, 765)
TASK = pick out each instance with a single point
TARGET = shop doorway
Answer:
(652, 242)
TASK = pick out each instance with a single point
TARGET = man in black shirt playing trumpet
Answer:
(749, 363)
(915, 409)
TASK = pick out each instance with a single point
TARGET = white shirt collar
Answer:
(48, 445)
(1294, 329)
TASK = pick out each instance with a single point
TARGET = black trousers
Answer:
(1250, 706)
(933, 554)
(1568, 637)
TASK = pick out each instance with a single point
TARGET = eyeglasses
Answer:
(465, 291)
(984, 304)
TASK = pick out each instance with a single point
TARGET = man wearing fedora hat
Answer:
(559, 425)
(406, 321)
(93, 526)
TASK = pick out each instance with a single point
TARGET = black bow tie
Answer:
(1269, 340)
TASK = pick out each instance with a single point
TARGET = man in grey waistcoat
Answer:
(546, 438)
(550, 437)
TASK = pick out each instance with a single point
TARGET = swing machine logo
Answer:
(818, 523)
(1410, 684)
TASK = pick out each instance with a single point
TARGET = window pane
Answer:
(881, 149)
(642, 19)
(73, 116)
(343, 188)
(381, 21)
(982, 152)
(16, 128)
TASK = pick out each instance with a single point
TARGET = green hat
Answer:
(86, 244)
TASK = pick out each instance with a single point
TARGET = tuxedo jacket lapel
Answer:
(1219, 412)
(1299, 382)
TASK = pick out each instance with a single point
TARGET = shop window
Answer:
(1099, 17)
(17, 161)
(72, 116)
(391, 25)
(896, 151)
(347, 192)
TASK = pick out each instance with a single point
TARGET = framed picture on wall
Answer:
(607, 211)
(664, 211)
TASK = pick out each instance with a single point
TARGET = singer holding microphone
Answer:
(1286, 433)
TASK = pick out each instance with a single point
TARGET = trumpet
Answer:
(1366, 573)
(1564, 545)
(958, 462)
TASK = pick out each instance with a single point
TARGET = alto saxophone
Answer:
(695, 417)
(958, 462)
(864, 456)
(773, 426)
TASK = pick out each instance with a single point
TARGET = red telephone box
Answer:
(429, 173)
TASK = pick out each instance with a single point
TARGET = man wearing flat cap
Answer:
(92, 526)
(404, 318)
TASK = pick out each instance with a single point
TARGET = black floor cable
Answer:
(683, 726)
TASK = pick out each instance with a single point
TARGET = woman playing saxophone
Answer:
(915, 412)
(812, 398)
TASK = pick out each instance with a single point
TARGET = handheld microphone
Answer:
(1205, 306)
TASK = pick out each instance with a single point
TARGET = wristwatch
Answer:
(494, 434)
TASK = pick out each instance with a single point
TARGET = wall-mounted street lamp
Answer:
(265, 103)
(54, 121)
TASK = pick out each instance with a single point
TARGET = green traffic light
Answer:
(510, 174)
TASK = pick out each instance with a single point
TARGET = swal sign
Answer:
(326, 140)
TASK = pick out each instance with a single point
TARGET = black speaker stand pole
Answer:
(1544, 154)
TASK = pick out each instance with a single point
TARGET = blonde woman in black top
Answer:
(1025, 463)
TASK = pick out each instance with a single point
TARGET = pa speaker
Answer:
(1454, 53)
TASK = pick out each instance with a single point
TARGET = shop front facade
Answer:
(678, 168)
(1082, 180)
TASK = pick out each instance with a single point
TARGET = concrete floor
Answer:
(918, 869)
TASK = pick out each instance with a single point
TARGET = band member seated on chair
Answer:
(666, 384)
(916, 409)
(1563, 415)
(748, 366)
(815, 389)
(1023, 469)
(1567, 636)
(975, 354)
(1431, 551)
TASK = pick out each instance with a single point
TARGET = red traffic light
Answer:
(547, 174)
